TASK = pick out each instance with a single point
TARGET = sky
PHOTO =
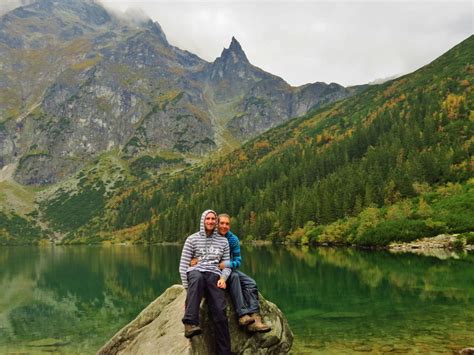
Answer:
(304, 41)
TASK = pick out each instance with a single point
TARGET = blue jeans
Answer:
(244, 293)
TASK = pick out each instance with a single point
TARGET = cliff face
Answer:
(158, 330)
(77, 81)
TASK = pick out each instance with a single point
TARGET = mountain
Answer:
(391, 163)
(78, 82)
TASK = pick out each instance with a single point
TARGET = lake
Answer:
(72, 299)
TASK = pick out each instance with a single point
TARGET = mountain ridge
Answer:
(79, 81)
(390, 163)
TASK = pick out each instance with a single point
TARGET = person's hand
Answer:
(193, 261)
(221, 283)
(222, 265)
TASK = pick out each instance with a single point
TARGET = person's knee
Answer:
(195, 278)
(249, 283)
(233, 277)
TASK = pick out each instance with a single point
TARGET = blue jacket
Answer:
(234, 246)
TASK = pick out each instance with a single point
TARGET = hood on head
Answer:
(202, 229)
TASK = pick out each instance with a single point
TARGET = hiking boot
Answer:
(191, 330)
(245, 320)
(258, 325)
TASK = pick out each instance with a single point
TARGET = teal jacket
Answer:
(234, 247)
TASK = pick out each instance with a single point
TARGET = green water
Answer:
(73, 299)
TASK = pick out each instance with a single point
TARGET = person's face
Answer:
(224, 225)
(210, 222)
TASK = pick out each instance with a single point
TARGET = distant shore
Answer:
(442, 244)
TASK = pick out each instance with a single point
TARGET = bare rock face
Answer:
(158, 330)
(78, 81)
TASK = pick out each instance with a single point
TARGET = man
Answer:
(206, 278)
(243, 289)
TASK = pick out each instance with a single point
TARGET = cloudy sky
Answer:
(348, 42)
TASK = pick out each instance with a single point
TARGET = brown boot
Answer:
(258, 325)
(245, 320)
(191, 330)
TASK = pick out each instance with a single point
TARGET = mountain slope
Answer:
(77, 82)
(394, 152)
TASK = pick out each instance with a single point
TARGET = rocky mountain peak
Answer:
(91, 81)
(138, 18)
(234, 53)
(155, 28)
(89, 12)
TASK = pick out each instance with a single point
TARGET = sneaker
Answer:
(245, 320)
(191, 330)
(258, 325)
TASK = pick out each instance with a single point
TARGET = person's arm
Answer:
(236, 256)
(236, 260)
(186, 256)
(225, 258)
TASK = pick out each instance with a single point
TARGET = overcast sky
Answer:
(350, 42)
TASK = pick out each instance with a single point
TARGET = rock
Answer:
(158, 330)
(363, 348)
(47, 342)
(443, 246)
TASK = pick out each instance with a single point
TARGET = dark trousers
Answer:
(244, 293)
(205, 284)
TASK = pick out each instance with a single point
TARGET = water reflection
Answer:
(78, 295)
(346, 300)
(336, 300)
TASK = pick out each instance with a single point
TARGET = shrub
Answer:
(469, 238)
(402, 230)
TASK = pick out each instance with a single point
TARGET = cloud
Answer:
(8, 5)
(349, 42)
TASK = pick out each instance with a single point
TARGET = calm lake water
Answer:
(73, 299)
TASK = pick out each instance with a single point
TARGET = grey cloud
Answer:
(8, 5)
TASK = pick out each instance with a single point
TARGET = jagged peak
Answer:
(157, 30)
(235, 45)
(234, 52)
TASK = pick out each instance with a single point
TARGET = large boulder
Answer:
(158, 330)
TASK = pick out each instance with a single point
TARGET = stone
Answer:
(443, 246)
(158, 330)
(47, 342)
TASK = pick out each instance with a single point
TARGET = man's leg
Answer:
(249, 292)
(196, 286)
(235, 290)
(217, 305)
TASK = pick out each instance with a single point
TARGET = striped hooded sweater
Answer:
(209, 250)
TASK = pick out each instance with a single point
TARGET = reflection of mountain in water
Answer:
(374, 269)
(338, 299)
(63, 293)
(333, 298)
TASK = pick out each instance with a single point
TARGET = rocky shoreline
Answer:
(442, 246)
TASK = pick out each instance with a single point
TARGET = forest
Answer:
(391, 163)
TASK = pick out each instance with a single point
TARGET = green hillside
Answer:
(377, 166)
(17, 230)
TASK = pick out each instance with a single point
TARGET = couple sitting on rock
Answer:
(209, 263)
